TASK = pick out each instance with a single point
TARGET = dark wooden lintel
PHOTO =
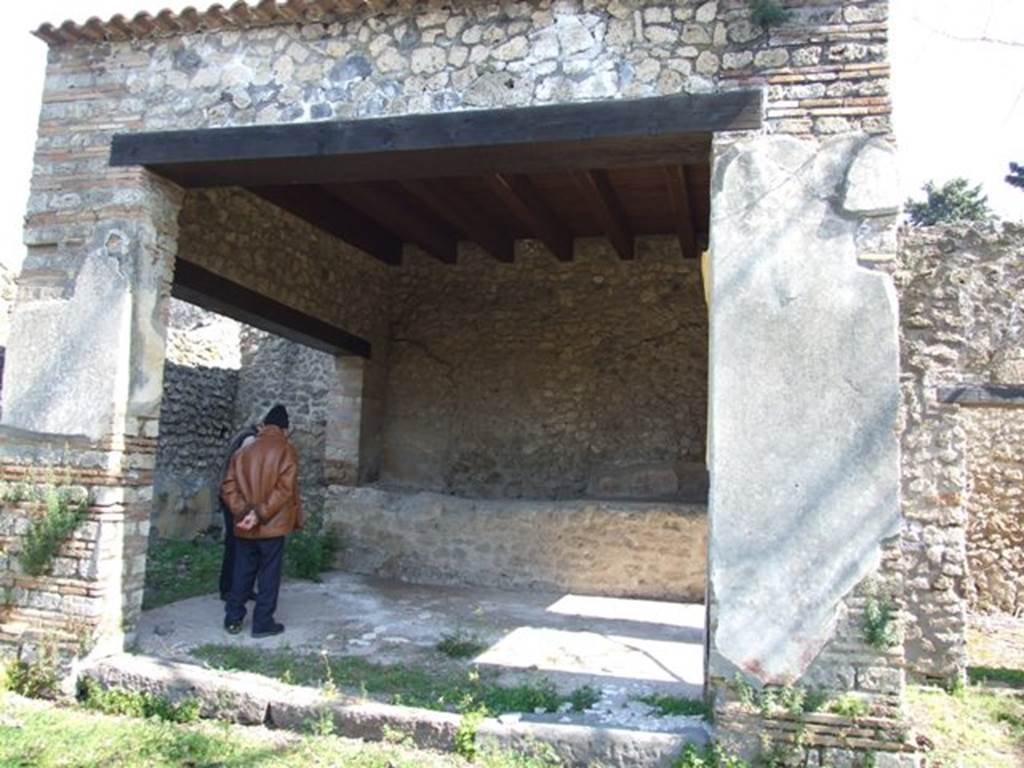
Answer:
(598, 190)
(519, 194)
(335, 217)
(682, 213)
(468, 219)
(600, 134)
(387, 204)
(209, 290)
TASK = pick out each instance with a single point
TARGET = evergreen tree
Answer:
(955, 201)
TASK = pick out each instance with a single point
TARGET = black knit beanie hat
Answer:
(277, 416)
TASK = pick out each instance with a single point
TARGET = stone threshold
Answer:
(251, 699)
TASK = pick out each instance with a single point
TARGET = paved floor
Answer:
(626, 648)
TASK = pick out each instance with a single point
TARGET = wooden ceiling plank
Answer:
(682, 215)
(385, 202)
(519, 194)
(335, 217)
(209, 290)
(466, 218)
(596, 187)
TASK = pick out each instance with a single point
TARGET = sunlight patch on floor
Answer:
(591, 653)
(630, 609)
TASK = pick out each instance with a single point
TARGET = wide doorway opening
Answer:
(519, 400)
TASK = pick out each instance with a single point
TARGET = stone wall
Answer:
(544, 380)
(197, 419)
(960, 292)
(824, 72)
(247, 240)
(652, 550)
(995, 509)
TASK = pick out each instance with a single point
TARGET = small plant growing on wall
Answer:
(64, 512)
(881, 630)
(768, 13)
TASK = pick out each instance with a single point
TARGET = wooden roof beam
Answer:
(460, 213)
(519, 194)
(597, 189)
(682, 213)
(211, 291)
(385, 203)
(325, 212)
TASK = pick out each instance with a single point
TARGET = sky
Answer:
(958, 90)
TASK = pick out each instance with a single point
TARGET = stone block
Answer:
(803, 455)
(63, 354)
(872, 182)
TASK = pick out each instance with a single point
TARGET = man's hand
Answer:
(248, 522)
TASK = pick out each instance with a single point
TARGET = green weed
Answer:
(669, 706)
(63, 513)
(118, 701)
(880, 628)
(460, 645)
(403, 684)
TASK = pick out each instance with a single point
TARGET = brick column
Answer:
(83, 384)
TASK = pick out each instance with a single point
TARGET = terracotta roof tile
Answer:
(166, 23)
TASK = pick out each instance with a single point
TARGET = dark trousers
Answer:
(227, 566)
(255, 559)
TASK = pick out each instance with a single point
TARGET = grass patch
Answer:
(1013, 678)
(402, 684)
(670, 706)
(117, 701)
(37, 735)
(56, 737)
(975, 728)
(460, 645)
(176, 570)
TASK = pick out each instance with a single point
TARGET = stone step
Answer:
(251, 699)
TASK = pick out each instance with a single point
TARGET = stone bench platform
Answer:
(650, 549)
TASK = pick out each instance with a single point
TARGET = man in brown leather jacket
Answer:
(261, 490)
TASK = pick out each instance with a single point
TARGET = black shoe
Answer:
(233, 627)
(273, 629)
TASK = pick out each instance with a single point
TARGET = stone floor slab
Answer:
(626, 648)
